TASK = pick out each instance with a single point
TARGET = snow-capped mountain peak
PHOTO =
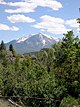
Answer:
(33, 42)
(41, 35)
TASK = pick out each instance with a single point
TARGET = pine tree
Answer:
(78, 20)
(12, 49)
(2, 47)
(67, 61)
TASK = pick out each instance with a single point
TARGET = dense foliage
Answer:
(50, 78)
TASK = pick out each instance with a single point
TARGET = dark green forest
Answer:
(50, 78)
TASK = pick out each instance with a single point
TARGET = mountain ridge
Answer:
(32, 43)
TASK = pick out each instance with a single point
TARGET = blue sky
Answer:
(52, 17)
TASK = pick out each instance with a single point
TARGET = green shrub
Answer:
(69, 102)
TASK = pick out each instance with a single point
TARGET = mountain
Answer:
(32, 43)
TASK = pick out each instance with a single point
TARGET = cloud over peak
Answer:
(52, 24)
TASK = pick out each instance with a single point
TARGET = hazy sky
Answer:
(51, 17)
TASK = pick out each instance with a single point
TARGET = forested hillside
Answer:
(51, 78)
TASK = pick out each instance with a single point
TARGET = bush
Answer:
(69, 102)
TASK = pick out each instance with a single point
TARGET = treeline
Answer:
(51, 78)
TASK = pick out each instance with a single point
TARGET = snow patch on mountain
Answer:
(22, 39)
(51, 37)
(44, 42)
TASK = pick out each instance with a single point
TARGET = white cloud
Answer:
(55, 5)
(6, 27)
(27, 6)
(3, 2)
(72, 23)
(23, 7)
(42, 30)
(52, 24)
(20, 10)
(20, 18)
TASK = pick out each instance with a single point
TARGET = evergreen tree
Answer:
(78, 20)
(12, 49)
(2, 47)
(67, 64)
